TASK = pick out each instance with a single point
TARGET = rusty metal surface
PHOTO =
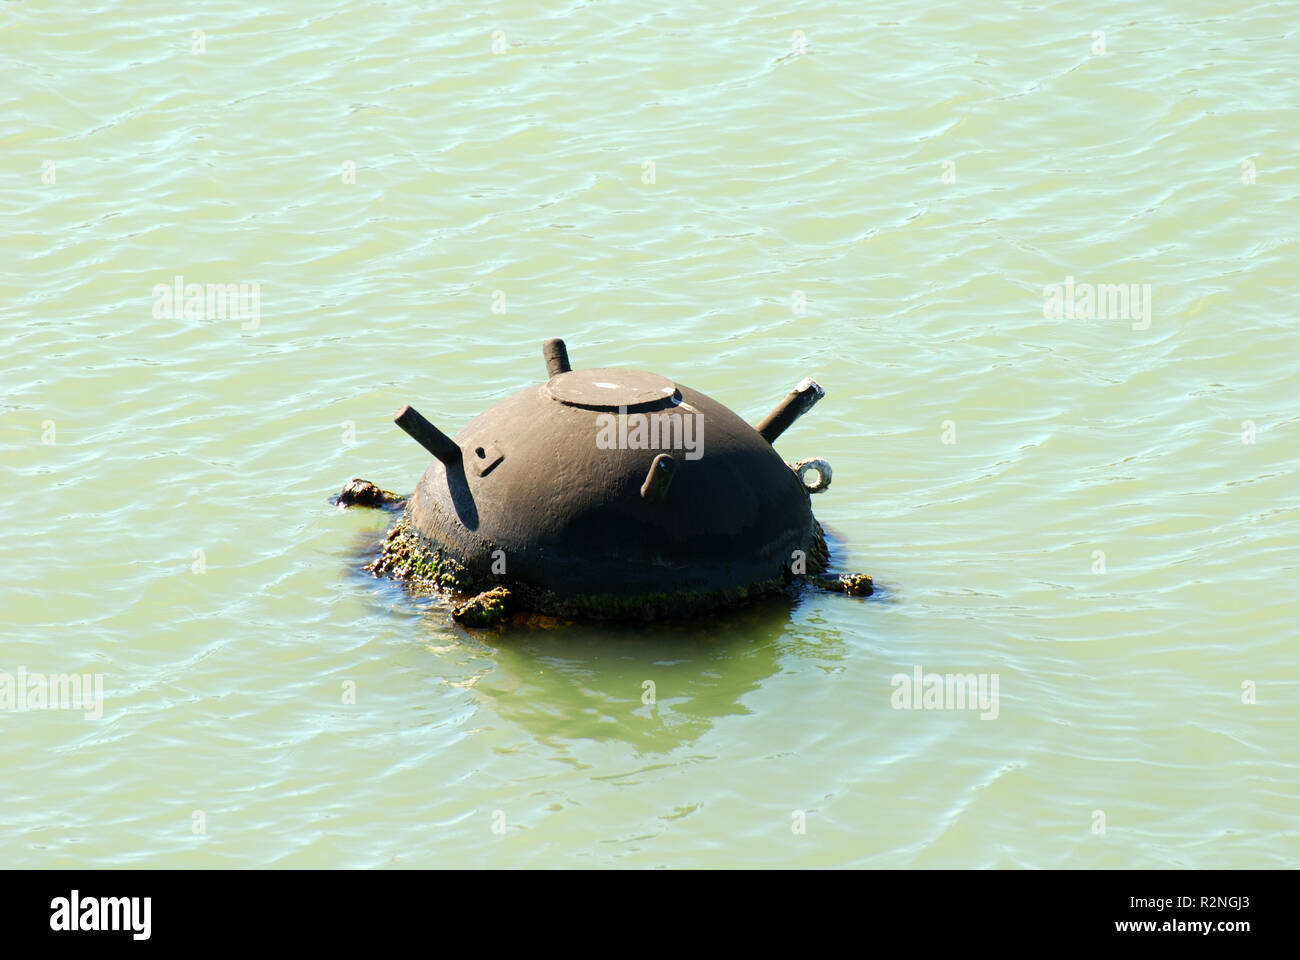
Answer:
(570, 517)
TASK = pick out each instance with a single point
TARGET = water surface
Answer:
(874, 196)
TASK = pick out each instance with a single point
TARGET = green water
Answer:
(913, 175)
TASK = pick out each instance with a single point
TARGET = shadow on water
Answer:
(656, 686)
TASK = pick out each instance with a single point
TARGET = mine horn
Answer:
(430, 437)
(792, 406)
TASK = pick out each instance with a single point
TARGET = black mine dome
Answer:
(610, 492)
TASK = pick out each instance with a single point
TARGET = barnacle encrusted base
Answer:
(426, 567)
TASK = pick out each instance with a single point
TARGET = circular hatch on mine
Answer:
(608, 388)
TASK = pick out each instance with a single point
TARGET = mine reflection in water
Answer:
(572, 681)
